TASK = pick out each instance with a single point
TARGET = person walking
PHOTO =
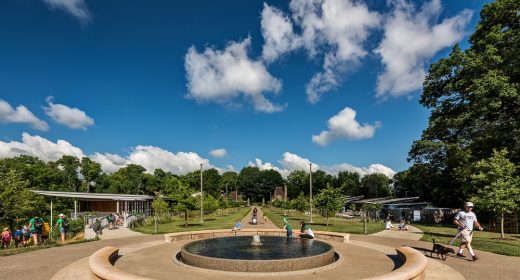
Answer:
(63, 225)
(466, 220)
(6, 238)
(36, 227)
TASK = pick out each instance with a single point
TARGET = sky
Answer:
(172, 84)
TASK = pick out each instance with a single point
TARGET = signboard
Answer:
(416, 215)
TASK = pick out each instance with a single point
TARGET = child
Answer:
(287, 227)
(6, 238)
(18, 237)
(388, 224)
(26, 235)
(237, 226)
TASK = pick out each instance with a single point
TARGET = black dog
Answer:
(441, 250)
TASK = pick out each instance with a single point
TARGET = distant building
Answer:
(278, 194)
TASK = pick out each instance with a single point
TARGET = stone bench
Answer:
(204, 234)
(101, 266)
(413, 268)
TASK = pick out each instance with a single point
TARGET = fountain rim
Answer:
(339, 260)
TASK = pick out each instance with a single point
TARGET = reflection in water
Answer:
(273, 247)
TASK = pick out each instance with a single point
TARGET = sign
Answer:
(416, 215)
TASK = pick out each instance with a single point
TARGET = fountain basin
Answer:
(276, 254)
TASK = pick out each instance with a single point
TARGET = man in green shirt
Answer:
(62, 225)
(287, 227)
(36, 227)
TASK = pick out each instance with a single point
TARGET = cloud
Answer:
(291, 162)
(223, 76)
(338, 29)
(76, 8)
(278, 34)
(345, 126)
(20, 115)
(411, 38)
(218, 153)
(71, 117)
(39, 147)
(149, 157)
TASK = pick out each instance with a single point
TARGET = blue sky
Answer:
(163, 83)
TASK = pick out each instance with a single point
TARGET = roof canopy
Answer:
(95, 196)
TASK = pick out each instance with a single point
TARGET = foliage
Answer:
(210, 203)
(159, 206)
(349, 183)
(300, 203)
(329, 201)
(375, 185)
(16, 200)
(498, 187)
(474, 99)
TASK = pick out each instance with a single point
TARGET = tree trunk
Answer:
(327, 219)
(502, 236)
(186, 218)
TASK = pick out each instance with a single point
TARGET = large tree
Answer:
(375, 185)
(474, 99)
(329, 201)
(349, 183)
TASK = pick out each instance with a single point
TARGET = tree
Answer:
(249, 183)
(159, 206)
(228, 182)
(474, 99)
(349, 183)
(16, 200)
(375, 185)
(128, 180)
(329, 201)
(91, 172)
(269, 180)
(297, 182)
(498, 186)
(211, 181)
(70, 166)
(210, 203)
(320, 180)
(181, 195)
(300, 203)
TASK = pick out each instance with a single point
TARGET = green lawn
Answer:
(319, 222)
(482, 240)
(211, 222)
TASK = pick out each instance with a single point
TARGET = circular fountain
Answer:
(271, 254)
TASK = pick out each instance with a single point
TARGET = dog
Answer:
(441, 250)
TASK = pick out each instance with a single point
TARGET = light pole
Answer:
(310, 186)
(201, 197)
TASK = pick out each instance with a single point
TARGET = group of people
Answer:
(36, 231)
(403, 224)
(115, 220)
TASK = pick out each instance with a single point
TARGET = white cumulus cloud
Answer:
(291, 162)
(71, 117)
(278, 33)
(150, 157)
(76, 8)
(218, 153)
(40, 147)
(20, 115)
(411, 37)
(345, 126)
(225, 76)
(338, 29)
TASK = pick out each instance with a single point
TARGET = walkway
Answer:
(412, 233)
(246, 221)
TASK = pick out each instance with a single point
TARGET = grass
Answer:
(319, 223)
(482, 240)
(211, 222)
(49, 244)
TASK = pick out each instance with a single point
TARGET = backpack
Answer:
(38, 224)
(65, 223)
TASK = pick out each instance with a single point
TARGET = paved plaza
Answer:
(365, 255)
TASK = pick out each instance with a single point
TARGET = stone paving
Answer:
(412, 233)
(246, 221)
(61, 261)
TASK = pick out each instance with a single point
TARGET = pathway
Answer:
(246, 221)
(412, 233)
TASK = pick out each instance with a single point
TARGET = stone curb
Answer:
(414, 266)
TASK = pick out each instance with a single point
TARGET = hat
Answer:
(61, 215)
(468, 204)
(6, 228)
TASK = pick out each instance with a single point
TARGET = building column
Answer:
(117, 206)
(75, 208)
